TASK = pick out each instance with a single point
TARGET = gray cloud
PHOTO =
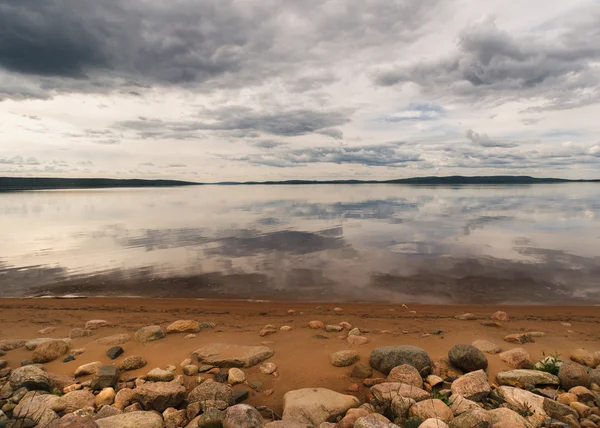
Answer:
(19, 160)
(266, 144)
(373, 155)
(240, 119)
(484, 141)
(492, 64)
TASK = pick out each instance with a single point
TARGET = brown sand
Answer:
(303, 361)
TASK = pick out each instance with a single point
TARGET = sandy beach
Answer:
(302, 360)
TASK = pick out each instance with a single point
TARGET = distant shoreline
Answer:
(43, 183)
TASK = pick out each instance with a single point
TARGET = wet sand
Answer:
(303, 361)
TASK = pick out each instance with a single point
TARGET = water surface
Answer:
(463, 244)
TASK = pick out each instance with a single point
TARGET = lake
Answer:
(522, 244)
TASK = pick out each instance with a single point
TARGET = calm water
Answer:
(514, 244)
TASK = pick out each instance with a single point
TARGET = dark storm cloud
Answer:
(241, 119)
(490, 62)
(375, 155)
(100, 46)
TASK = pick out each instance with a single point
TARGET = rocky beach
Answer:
(119, 362)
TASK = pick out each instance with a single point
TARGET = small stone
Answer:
(500, 316)
(95, 324)
(114, 352)
(466, 317)
(316, 325)
(486, 346)
(434, 380)
(584, 357)
(69, 359)
(268, 368)
(333, 328)
(472, 386)
(106, 397)
(572, 375)
(269, 392)
(77, 351)
(46, 330)
(526, 379)
(184, 326)
(361, 371)
(160, 375)
(346, 325)
(105, 377)
(79, 332)
(517, 358)
(211, 418)
(239, 395)
(207, 324)
(406, 374)
(353, 388)
(583, 410)
(133, 362)
(386, 358)
(159, 396)
(236, 376)
(212, 391)
(357, 340)
(320, 337)
(88, 369)
(104, 412)
(267, 332)
(338, 310)
(344, 358)
(373, 381)
(114, 340)
(242, 415)
(467, 358)
(149, 333)
(221, 377)
(206, 367)
(432, 408)
(190, 370)
(354, 332)
(189, 336)
(494, 324)
(285, 328)
(519, 338)
(50, 351)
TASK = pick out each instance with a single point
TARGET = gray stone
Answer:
(386, 358)
(132, 420)
(316, 405)
(242, 415)
(114, 352)
(105, 377)
(159, 396)
(30, 377)
(573, 374)
(149, 333)
(467, 358)
(226, 355)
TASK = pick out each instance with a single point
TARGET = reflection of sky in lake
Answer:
(366, 242)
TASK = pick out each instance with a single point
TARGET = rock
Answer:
(184, 326)
(72, 420)
(115, 339)
(267, 332)
(472, 386)
(361, 371)
(504, 417)
(190, 370)
(520, 398)
(432, 408)
(50, 351)
(373, 420)
(517, 358)
(212, 391)
(207, 324)
(135, 407)
(357, 340)
(106, 397)
(467, 358)
(79, 332)
(69, 359)
(354, 332)
(573, 374)
(285, 328)
(526, 379)
(384, 393)
(11, 344)
(333, 328)
(406, 374)
(225, 355)
(174, 418)
(114, 352)
(46, 330)
(473, 418)
(211, 418)
(595, 376)
(460, 405)
(132, 363)
(107, 411)
(35, 406)
(159, 396)
(344, 358)
(149, 334)
(239, 395)
(124, 398)
(487, 347)
(400, 405)
(288, 424)
(95, 324)
(236, 376)
(242, 415)
(189, 336)
(583, 395)
(582, 410)
(88, 369)
(268, 368)
(132, 420)
(77, 351)
(34, 343)
(76, 400)
(519, 338)
(160, 375)
(386, 358)
(584, 357)
(316, 405)
(495, 324)
(466, 317)
(30, 377)
(434, 423)
(316, 325)
(500, 316)
(105, 377)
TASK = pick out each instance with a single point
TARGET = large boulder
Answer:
(384, 393)
(149, 333)
(212, 391)
(226, 355)
(159, 396)
(132, 420)
(30, 377)
(406, 374)
(472, 386)
(432, 408)
(467, 358)
(386, 358)
(242, 415)
(526, 379)
(36, 406)
(573, 374)
(50, 351)
(519, 398)
(184, 326)
(316, 405)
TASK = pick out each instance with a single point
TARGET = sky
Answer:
(223, 90)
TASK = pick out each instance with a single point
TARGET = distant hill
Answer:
(22, 183)
(18, 183)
